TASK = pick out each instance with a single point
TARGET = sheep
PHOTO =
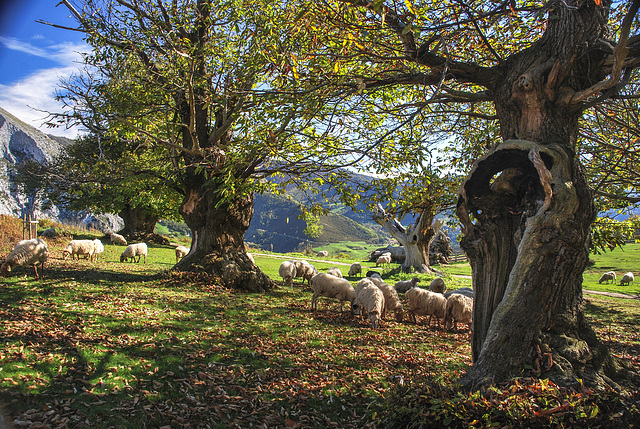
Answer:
(404, 285)
(181, 252)
(466, 291)
(287, 271)
(609, 275)
(437, 285)
(354, 269)
(305, 270)
(99, 248)
(370, 299)
(459, 309)
(27, 252)
(373, 274)
(118, 239)
(75, 248)
(335, 271)
(627, 278)
(391, 299)
(48, 233)
(384, 259)
(133, 250)
(326, 285)
(422, 302)
(322, 253)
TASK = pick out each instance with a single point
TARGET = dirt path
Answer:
(612, 294)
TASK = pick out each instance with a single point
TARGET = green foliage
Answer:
(607, 233)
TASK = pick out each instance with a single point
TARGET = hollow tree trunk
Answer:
(218, 240)
(415, 239)
(526, 212)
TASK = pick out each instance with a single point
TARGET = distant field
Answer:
(620, 261)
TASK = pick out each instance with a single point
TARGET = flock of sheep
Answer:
(610, 276)
(35, 251)
(374, 298)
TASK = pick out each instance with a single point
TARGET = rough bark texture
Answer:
(416, 239)
(139, 225)
(218, 240)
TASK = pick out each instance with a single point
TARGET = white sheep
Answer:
(609, 275)
(181, 252)
(459, 309)
(392, 302)
(627, 279)
(466, 291)
(354, 269)
(77, 248)
(305, 270)
(370, 299)
(329, 286)
(99, 248)
(133, 250)
(422, 302)
(118, 239)
(287, 271)
(335, 271)
(404, 285)
(437, 285)
(384, 259)
(322, 253)
(27, 252)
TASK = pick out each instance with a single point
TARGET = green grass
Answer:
(620, 260)
(110, 344)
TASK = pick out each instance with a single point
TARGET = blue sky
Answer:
(35, 57)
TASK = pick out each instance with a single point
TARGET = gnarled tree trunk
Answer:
(218, 239)
(416, 239)
(139, 224)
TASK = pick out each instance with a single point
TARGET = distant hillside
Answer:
(275, 224)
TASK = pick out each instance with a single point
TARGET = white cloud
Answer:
(30, 98)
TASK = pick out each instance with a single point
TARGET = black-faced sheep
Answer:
(437, 285)
(118, 239)
(77, 248)
(287, 271)
(404, 285)
(133, 250)
(608, 276)
(181, 252)
(627, 279)
(459, 309)
(370, 300)
(392, 302)
(27, 252)
(354, 269)
(329, 286)
(335, 271)
(422, 302)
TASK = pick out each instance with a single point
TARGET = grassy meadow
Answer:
(111, 345)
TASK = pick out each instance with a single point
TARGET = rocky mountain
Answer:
(21, 142)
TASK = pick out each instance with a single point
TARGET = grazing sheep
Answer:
(370, 299)
(305, 270)
(335, 271)
(459, 309)
(118, 239)
(392, 302)
(627, 279)
(181, 252)
(383, 260)
(354, 269)
(437, 285)
(287, 271)
(404, 285)
(133, 250)
(609, 275)
(99, 248)
(326, 285)
(422, 302)
(373, 274)
(27, 252)
(75, 248)
(466, 291)
(322, 254)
